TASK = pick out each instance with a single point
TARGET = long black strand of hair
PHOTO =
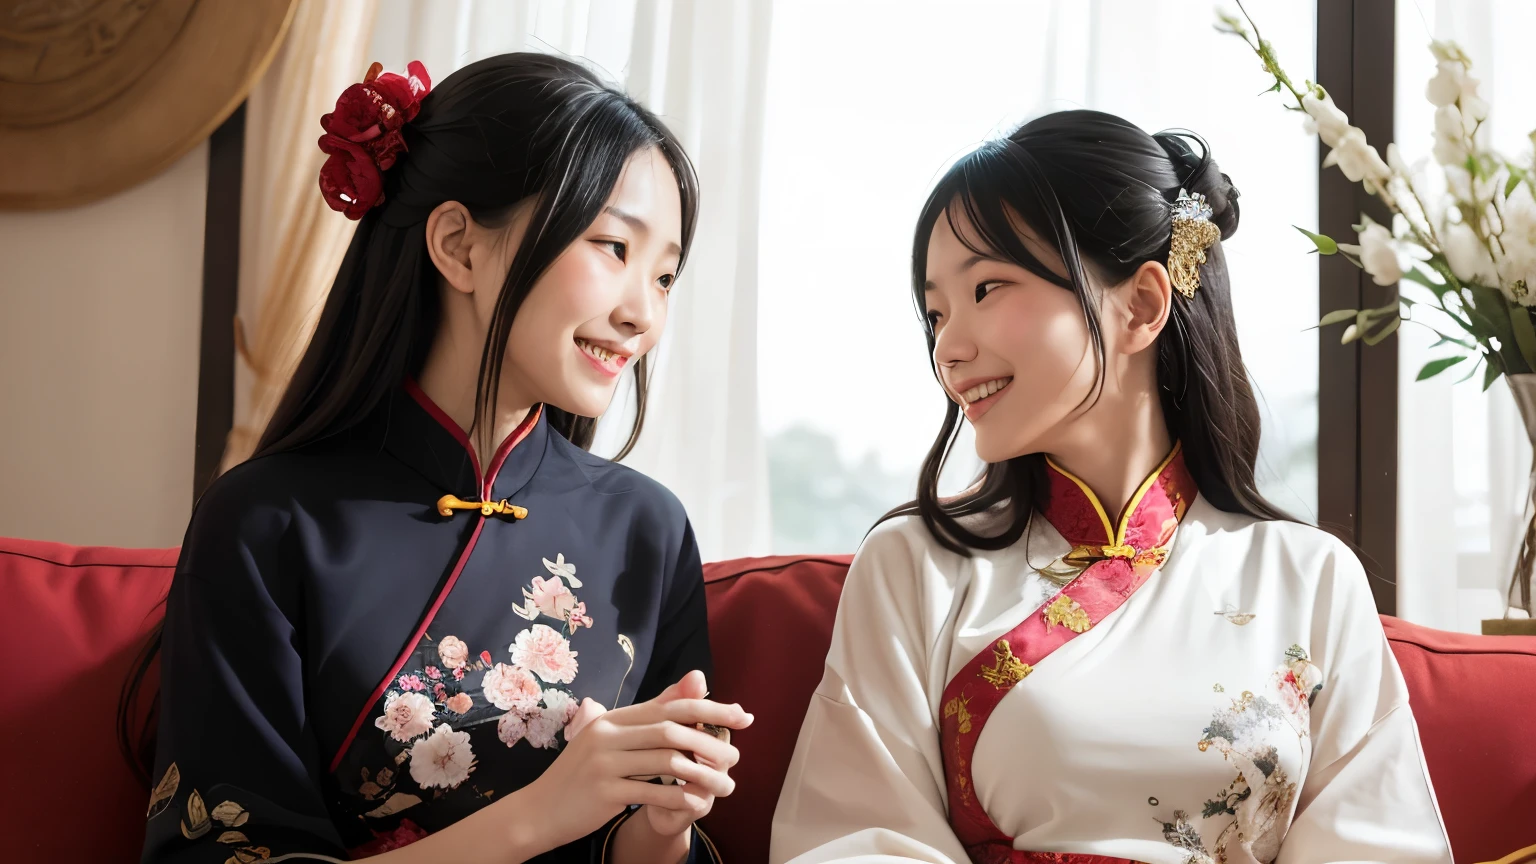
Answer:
(1100, 190)
(513, 130)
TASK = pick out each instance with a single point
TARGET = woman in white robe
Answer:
(1018, 676)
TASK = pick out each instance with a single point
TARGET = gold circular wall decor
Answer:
(97, 96)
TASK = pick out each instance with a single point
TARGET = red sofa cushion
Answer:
(1474, 698)
(74, 620)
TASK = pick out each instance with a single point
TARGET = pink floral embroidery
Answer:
(406, 715)
(453, 651)
(560, 705)
(542, 728)
(443, 759)
(460, 703)
(511, 688)
(411, 682)
(578, 618)
(510, 729)
(551, 597)
(405, 834)
(440, 692)
(458, 674)
(434, 673)
(546, 653)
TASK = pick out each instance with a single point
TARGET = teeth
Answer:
(983, 390)
(600, 353)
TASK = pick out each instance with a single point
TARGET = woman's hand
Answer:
(589, 783)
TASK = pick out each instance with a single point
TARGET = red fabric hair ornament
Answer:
(362, 136)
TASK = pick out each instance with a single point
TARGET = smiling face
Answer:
(1012, 349)
(602, 304)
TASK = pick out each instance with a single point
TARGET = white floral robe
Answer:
(1241, 705)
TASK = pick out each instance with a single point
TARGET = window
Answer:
(866, 108)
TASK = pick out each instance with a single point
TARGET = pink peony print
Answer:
(411, 682)
(560, 705)
(510, 729)
(542, 729)
(443, 759)
(440, 691)
(406, 715)
(453, 652)
(546, 653)
(458, 674)
(460, 703)
(578, 617)
(511, 688)
(551, 597)
(434, 673)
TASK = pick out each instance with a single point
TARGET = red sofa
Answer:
(74, 619)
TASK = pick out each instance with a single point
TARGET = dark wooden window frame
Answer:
(221, 293)
(1357, 386)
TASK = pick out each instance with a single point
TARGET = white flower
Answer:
(443, 759)
(453, 652)
(563, 569)
(542, 728)
(1450, 136)
(1378, 254)
(558, 703)
(1468, 257)
(1445, 87)
(510, 729)
(1325, 119)
(546, 653)
(406, 715)
(1359, 160)
(1517, 264)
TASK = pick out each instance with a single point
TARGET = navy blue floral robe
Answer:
(370, 639)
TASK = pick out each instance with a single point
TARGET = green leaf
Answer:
(1490, 375)
(1435, 367)
(1525, 335)
(1419, 276)
(1338, 316)
(1490, 310)
(1471, 371)
(1515, 176)
(1325, 244)
(1381, 335)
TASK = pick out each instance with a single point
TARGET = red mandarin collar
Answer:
(1149, 519)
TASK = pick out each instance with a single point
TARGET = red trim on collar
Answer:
(484, 480)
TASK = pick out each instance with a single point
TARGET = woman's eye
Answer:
(985, 288)
(619, 249)
(666, 282)
(933, 320)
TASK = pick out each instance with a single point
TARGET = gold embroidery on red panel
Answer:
(1006, 670)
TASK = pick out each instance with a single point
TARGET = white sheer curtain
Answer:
(869, 101)
(1463, 453)
(700, 65)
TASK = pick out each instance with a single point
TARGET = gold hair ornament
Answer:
(1193, 233)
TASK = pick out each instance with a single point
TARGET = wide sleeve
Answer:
(237, 767)
(682, 645)
(1367, 795)
(866, 783)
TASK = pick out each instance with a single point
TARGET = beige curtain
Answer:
(291, 242)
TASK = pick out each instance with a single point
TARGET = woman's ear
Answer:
(450, 237)
(1148, 297)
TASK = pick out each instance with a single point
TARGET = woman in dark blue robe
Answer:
(385, 632)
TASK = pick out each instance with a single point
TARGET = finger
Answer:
(672, 736)
(585, 713)
(649, 763)
(679, 798)
(691, 711)
(690, 686)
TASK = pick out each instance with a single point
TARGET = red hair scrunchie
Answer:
(362, 136)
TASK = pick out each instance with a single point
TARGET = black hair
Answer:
(1100, 191)
(509, 129)
(515, 129)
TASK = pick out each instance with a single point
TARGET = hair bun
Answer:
(1198, 173)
